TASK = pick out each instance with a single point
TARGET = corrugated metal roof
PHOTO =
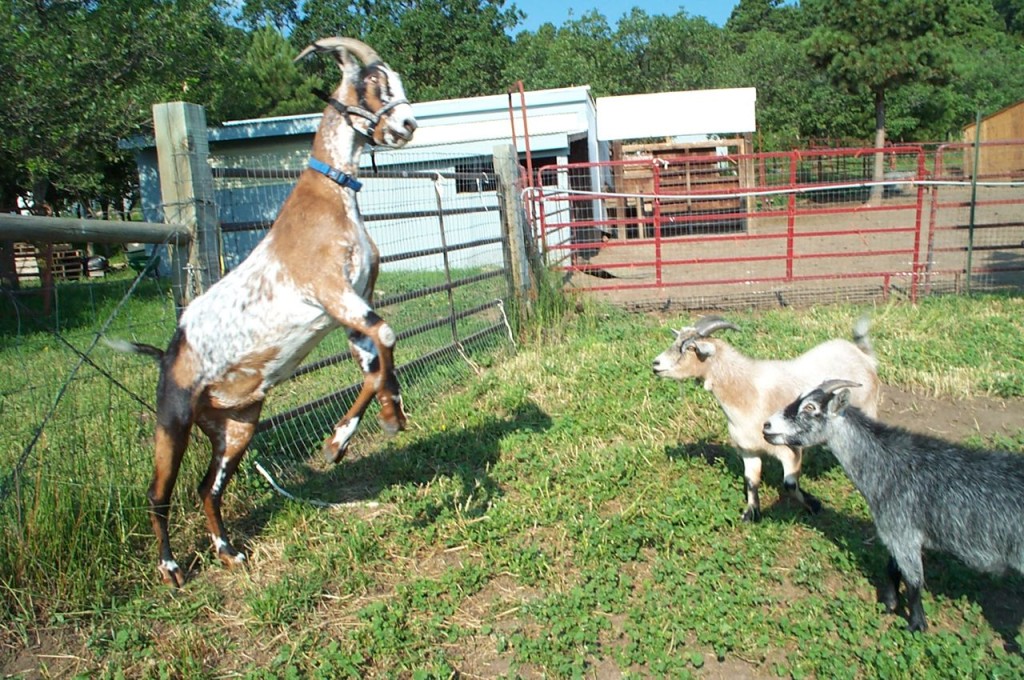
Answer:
(473, 118)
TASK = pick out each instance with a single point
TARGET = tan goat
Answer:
(751, 390)
(313, 272)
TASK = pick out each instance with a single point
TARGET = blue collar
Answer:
(335, 174)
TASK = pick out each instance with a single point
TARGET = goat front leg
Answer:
(888, 594)
(377, 359)
(792, 459)
(905, 548)
(372, 342)
(230, 433)
(751, 483)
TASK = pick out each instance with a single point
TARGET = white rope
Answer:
(312, 501)
(465, 357)
(508, 327)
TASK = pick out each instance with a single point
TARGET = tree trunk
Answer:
(878, 175)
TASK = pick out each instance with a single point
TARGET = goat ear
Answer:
(704, 349)
(839, 402)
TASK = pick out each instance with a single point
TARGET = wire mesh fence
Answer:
(76, 417)
(75, 414)
(443, 288)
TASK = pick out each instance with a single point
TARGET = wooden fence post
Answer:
(186, 187)
(517, 243)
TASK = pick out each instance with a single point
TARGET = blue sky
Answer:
(557, 11)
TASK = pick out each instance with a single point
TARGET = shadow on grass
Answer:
(816, 463)
(465, 454)
(1001, 599)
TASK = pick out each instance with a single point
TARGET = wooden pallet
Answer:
(66, 263)
(26, 261)
(686, 168)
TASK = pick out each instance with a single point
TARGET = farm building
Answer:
(456, 139)
(1005, 124)
(715, 124)
(255, 161)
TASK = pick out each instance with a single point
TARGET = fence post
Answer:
(513, 222)
(974, 197)
(186, 187)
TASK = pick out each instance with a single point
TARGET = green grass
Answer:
(562, 514)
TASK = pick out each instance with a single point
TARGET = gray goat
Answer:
(749, 390)
(923, 492)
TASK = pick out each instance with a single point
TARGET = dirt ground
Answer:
(841, 251)
(952, 420)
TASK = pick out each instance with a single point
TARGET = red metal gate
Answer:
(739, 229)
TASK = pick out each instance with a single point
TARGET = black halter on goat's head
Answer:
(371, 96)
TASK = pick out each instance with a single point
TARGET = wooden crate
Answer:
(65, 262)
(26, 261)
(685, 168)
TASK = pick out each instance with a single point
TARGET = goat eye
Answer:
(807, 408)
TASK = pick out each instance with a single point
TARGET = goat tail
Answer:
(861, 338)
(134, 347)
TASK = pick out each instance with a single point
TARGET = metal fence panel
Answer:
(802, 226)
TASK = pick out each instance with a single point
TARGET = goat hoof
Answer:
(812, 504)
(392, 423)
(917, 626)
(332, 453)
(751, 515)
(171, 573)
(231, 558)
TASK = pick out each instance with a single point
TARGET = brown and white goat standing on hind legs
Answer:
(314, 271)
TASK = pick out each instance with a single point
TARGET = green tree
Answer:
(281, 14)
(270, 82)
(82, 75)
(872, 47)
(443, 48)
(1012, 14)
(753, 16)
(668, 53)
(580, 52)
(795, 102)
(988, 75)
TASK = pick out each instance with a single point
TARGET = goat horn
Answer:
(832, 386)
(709, 324)
(361, 50)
